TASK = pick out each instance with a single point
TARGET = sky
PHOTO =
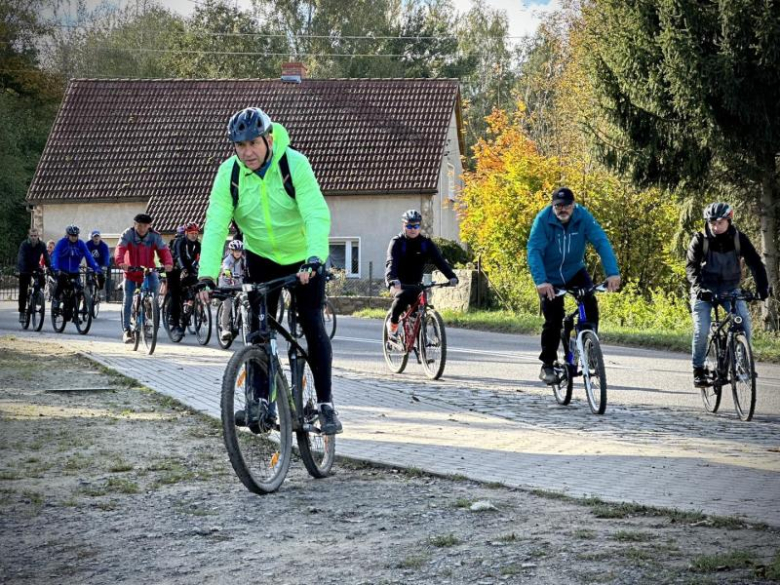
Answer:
(524, 15)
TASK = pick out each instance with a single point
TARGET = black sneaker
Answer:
(700, 378)
(22, 317)
(261, 416)
(547, 374)
(329, 422)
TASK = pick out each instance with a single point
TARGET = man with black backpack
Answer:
(714, 269)
(270, 193)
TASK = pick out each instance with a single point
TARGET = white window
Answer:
(451, 182)
(345, 255)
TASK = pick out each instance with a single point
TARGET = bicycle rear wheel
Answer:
(593, 373)
(317, 451)
(260, 454)
(743, 377)
(151, 322)
(433, 345)
(83, 316)
(223, 344)
(395, 353)
(562, 389)
(710, 395)
(329, 317)
(38, 310)
(201, 319)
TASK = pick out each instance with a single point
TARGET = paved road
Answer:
(490, 419)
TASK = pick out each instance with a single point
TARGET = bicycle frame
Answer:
(722, 333)
(579, 326)
(411, 323)
(142, 291)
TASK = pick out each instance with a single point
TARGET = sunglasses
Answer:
(561, 205)
(413, 226)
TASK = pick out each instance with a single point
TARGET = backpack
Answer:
(284, 166)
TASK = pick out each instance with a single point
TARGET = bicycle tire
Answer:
(82, 315)
(220, 342)
(253, 454)
(711, 395)
(318, 451)
(329, 318)
(27, 315)
(135, 328)
(95, 306)
(593, 362)
(433, 345)
(743, 377)
(562, 389)
(151, 323)
(201, 317)
(38, 310)
(166, 319)
(58, 317)
(396, 359)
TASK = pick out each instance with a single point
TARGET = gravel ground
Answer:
(102, 481)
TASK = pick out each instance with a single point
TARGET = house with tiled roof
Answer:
(378, 147)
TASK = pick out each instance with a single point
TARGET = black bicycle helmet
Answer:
(412, 216)
(715, 211)
(72, 230)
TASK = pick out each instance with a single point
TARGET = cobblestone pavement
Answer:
(496, 433)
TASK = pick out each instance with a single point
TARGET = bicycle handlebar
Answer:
(144, 269)
(735, 295)
(581, 292)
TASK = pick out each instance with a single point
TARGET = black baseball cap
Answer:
(563, 195)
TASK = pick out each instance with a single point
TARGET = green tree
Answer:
(692, 90)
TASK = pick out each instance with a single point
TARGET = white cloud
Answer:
(524, 15)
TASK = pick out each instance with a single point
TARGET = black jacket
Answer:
(186, 254)
(29, 257)
(722, 244)
(407, 258)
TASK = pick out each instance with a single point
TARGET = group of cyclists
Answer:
(269, 193)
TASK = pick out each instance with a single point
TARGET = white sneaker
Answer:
(127, 337)
(225, 336)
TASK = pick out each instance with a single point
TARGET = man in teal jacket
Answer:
(285, 232)
(556, 258)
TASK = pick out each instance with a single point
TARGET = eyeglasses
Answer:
(560, 204)
(413, 226)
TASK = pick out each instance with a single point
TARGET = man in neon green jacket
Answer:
(285, 226)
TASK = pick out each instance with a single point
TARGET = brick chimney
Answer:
(293, 72)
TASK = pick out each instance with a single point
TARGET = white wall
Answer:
(110, 218)
(447, 224)
(374, 219)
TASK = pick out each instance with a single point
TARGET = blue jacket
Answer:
(556, 252)
(67, 256)
(100, 252)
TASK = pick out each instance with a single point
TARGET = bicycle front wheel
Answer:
(710, 395)
(563, 387)
(201, 317)
(395, 353)
(58, 316)
(329, 317)
(433, 345)
(593, 373)
(38, 310)
(317, 451)
(151, 323)
(743, 377)
(83, 316)
(259, 451)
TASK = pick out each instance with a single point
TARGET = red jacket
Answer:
(134, 250)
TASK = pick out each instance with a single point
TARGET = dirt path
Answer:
(105, 482)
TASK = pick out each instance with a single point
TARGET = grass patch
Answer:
(6, 495)
(413, 562)
(552, 495)
(738, 559)
(77, 462)
(632, 536)
(463, 503)
(772, 570)
(444, 540)
(122, 486)
(584, 534)
(638, 554)
(34, 498)
(120, 466)
(9, 475)
(511, 537)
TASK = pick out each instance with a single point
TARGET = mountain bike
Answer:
(194, 316)
(583, 355)
(260, 449)
(729, 358)
(145, 310)
(328, 316)
(420, 330)
(36, 304)
(74, 306)
(238, 319)
(92, 291)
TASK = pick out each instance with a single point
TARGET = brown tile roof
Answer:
(162, 140)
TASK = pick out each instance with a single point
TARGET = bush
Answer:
(453, 252)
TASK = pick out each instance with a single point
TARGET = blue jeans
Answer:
(130, 286)
(702, 318)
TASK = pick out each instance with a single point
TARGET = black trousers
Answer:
(24, 283)
(407, 296)
(174, 287)
(554, 313)
(309, 299)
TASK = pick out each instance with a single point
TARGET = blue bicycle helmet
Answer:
(248, 124)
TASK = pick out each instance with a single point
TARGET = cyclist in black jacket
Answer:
(713, 268)
(30, 253)
(186, 255)
(407, 255)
